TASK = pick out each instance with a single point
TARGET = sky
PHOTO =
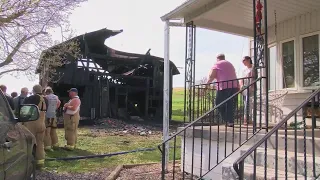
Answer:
(143, 29)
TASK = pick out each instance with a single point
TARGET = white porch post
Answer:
(166, 86)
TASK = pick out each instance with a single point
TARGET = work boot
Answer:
(55, 146)
(39, 164)
(69, 147)
(48, 148)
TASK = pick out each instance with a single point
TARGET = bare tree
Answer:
(203, 80)
(24, 26)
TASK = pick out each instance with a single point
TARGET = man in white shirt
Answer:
(71, 117)
(51, 137)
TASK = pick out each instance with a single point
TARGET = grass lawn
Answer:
(177, 104)
(90, 144)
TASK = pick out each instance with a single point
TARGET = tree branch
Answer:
(24, 39)
(12, 70)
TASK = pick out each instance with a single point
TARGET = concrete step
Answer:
(231, 135)
(229, 174)
(248, 174)
(271, 160)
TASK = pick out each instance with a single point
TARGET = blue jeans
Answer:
(227, 109)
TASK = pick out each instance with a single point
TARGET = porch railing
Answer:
(205, 98)
(288, 150)
(212, 147)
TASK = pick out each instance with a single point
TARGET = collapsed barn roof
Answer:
(113, 61)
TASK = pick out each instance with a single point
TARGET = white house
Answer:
(293, 47)
(293, 40)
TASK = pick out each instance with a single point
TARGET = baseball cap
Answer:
(73, 90)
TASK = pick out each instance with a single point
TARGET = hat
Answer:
(73, 90)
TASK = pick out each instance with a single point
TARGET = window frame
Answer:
(264, 73)
(301, 59)
(296, 75)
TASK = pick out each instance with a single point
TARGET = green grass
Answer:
(177, 104)
(89, 144)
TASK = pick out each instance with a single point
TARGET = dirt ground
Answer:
(98, 175)
(150, 172)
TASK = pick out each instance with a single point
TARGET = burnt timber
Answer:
(112, 83)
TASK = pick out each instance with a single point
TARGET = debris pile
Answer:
(119, 127)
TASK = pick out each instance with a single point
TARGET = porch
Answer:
(292, 39)
(284, 45)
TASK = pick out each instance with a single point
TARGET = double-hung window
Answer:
(288, 65)
(310, 60)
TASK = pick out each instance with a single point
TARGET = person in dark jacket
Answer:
(14, 94)
(18, 101)
(8, 97)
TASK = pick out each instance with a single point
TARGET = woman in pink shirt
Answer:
(226, 84)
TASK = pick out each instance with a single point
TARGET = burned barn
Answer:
(112, 83)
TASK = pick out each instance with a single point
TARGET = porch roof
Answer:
(236, 16)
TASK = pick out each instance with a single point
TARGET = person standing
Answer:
(8, 97)
(14, 94)
(18, 101)
(71, 117)
(37, 128)
(248, 74)
(225, 75)
(51, 137)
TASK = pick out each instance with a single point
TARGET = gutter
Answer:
(175, 11)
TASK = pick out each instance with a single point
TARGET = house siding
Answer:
(292, 29)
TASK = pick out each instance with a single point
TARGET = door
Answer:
(2, 134)
(15, 151)
(13, 146)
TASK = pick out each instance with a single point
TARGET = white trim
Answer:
(301, 58)
(296, 76)
(272, 44)
(264, 73)
(177, 10)
(166, 86)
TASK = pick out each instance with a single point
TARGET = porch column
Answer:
(166, 94)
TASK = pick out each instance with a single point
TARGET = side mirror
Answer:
(28, 112)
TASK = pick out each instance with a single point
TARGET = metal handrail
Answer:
(273, 130)
(217, 82)
(214, 108)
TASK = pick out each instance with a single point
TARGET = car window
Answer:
(4, 112)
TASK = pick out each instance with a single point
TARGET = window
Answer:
(310, 57)
(272, 67)
(288, 64)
